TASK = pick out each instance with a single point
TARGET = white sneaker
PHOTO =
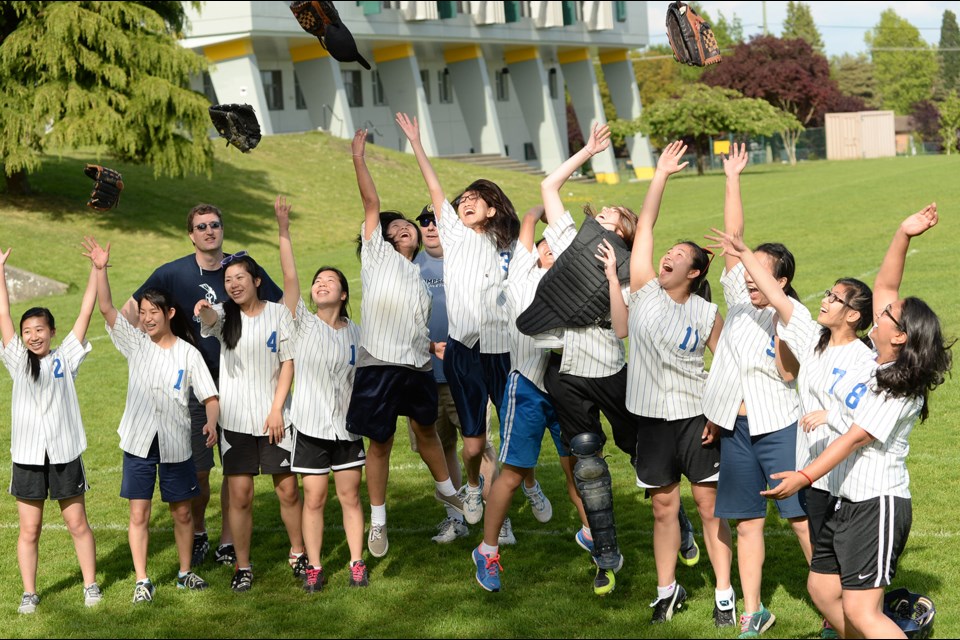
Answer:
(539, 503)
(472, 502)
(450, 529)
(92, 595)
(506, 533)
(377, 541)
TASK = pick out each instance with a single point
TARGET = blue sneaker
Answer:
(488, 570)
(586, 544)
(752, 625)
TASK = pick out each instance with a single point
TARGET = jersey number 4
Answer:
(272, 342)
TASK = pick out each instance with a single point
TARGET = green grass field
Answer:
(836, 217)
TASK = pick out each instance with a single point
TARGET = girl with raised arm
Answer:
(163, 366)
(47, 439)
(325, 347)
(394, 375)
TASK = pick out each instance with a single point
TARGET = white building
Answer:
(482, 77)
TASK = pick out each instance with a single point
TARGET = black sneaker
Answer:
(358, 574)
(300, 565)
(201, 545)
(191, 581)
(225, 554)
(242, 580)
(664, 608)
(724, 617)
(313, 579)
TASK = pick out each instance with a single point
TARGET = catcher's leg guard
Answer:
(592, 477)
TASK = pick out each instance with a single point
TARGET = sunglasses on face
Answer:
(203, 226)
(426, 222)
(832, 297)
(232, 257)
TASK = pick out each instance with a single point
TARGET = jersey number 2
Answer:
(272, 342)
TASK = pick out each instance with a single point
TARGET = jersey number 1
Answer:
(179, 383)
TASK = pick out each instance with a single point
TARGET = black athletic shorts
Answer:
(244, 454)
(316, 456)
(820, 507)
(668, 448)
(60, 481)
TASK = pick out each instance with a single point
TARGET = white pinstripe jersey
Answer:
(474, 272)
(521, 287)
(588, 352)
(395, 306)
(46, 413)
(249, 373)
(818, 380)
(158, 383)
(326, 361)
(880, 468)
(744, 367)
(666, 375)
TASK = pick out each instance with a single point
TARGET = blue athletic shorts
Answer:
(527, 412)
(178, 480)
(474, 379)
(746, 463)
(381, 394)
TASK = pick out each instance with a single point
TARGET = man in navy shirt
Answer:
(189, 279)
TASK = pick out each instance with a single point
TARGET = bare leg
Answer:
(716, 533)
(314, 501)
(498, 502)
(226, 535)
(28, 543)
(566, 463)
(198, 505)
(139, 535)
(183, 532)
(428, 445)
(288, 491)
(74, 515)
(378, 470)
(801, 528)
(751, 554)
(347, 482)
(453, 466)
(666, 532)
(827, 595)
(864, 610)
(241, 516)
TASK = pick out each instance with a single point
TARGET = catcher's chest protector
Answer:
(575, 292)
(690, 37)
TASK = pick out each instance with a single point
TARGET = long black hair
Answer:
(922, 361)
(344, 286)
(504, 226)
(699, 259)
(386, 217)
(33, 360)
(859, 298)
(784, 264)
(232, 322)
(179, 325)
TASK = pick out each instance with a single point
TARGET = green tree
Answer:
(950, 121)
(702, 112)
(950, 51)
(799, 24)
(106, 74)
(729, 33)
(854, 76)
(904, 65)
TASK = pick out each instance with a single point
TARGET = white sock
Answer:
(378, 515)
(725, 598)
(445, 488)
(452, 513)
(533, 490)
(487, 550)
(664, 592)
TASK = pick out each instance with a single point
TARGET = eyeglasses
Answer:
(711, 254)
(466, 197)
(232, 257)
(203, 226)
(832, 297)
(427, 221)
(886, 312)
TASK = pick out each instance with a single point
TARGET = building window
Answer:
(352, 87)
(425, 81)
(620, 10)
(208, 89)
(502, 80)
(301, 102)
(529, 151)
(378, 99)
(552, 83)
(272, 89)
(445, 93)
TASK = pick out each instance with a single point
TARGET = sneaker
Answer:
(488, 570)
(724, 617)
(143, 592)
(449, 530)
(754, 624)
(664, 608)
(828, 632)
(506, 533)
(472, 498)
(358, 574)
(225, 554)
(298, 563)
(689, 553)
(313, 579)
(377, 541)
(28, 603)
(539, 503)
(605, 581)
(92, 595)
(191, 581)
(201, 545)
(454, 501)
(585, 543)
(242, 580)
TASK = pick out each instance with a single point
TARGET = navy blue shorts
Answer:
(475, 378)
(527, 413)
(178, 480)
(746, 463)
(383, 394)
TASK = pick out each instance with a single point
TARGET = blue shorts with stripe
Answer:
(527, 413)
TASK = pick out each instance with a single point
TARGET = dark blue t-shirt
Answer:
(188, 283)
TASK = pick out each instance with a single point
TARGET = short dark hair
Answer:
(200, 210)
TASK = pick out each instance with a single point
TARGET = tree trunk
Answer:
(790, 145)
(18, 184)
(701, 148)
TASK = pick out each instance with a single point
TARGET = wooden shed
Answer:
(860, 134)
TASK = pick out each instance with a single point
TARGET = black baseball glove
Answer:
(106, 191)
(238, 124)
(320, 18)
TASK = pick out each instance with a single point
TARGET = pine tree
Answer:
(105, 74)
(799, 24)
(854, 76)
(905, 68)
(950, 51)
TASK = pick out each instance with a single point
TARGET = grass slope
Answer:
(836, 217)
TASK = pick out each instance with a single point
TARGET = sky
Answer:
(842, 25)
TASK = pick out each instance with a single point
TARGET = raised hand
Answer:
(599, 139)
(359, 143)
(729, 244)
(282, 210)
(606, 255)
(669, 161)
(410, 129)
(202, 304)
(99, 256)
(920, 221)
(4, 256)
(736, 161)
